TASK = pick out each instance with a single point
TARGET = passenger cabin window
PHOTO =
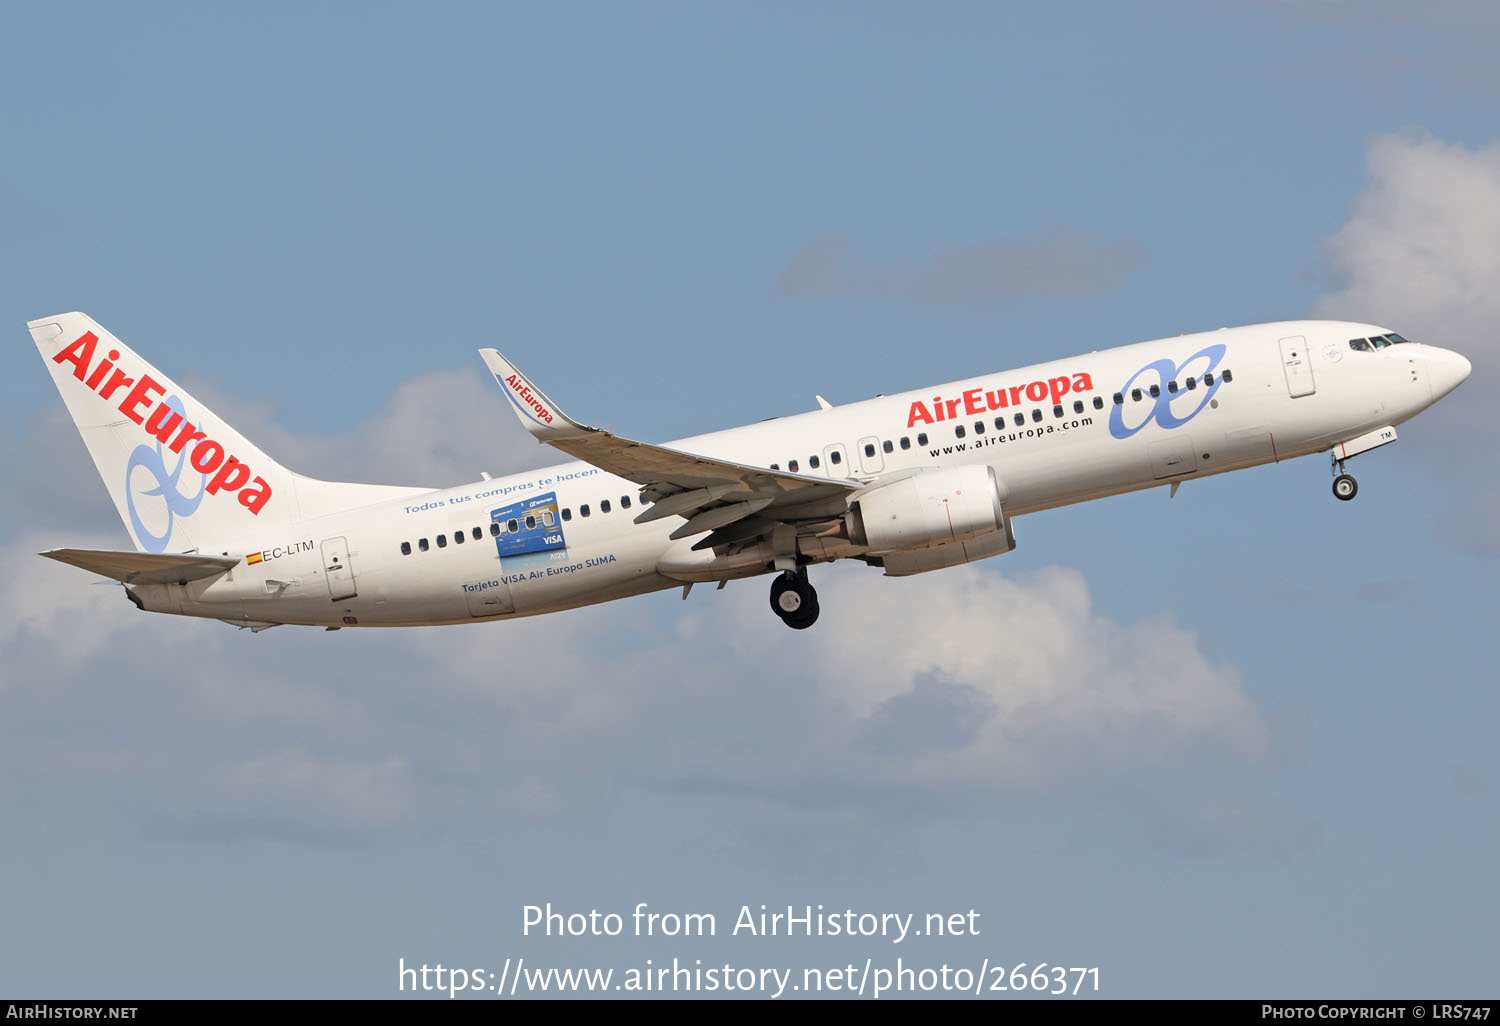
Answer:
(812, 462)
(422, 544)
(406, 548)
(958, 432)
(835, 457)
(1077, 405)
(1120, 399)
(870, 448)
(624, 504)
(791, 465)
(567, 513)
(1135, 394)
(1155, 391)
(478, 533)
(776, 466)
(458, 537)
(495, 529)
(978, 429)
(1098, 402)
(513, 526)
(530, 522)
(1208, 379)
(1228, 376)
(1172, 387)
(583, 509)
(885, 445)
(604, 506)
(905, 442)
(1020, 420)
(1192, 383)
(1036, 416)
(442, 541)
(548, 518)
(1057, 411)
(922, 438)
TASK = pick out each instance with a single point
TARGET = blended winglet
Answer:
(538, 414)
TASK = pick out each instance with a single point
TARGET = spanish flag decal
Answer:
(253, 558)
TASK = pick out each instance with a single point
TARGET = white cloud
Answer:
(1420, 253)
(959, 691)
(1420, 248)
(439, 429)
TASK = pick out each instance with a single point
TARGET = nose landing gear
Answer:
(794, 600)
(1344, 486)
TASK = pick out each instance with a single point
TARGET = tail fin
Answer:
(182, 479)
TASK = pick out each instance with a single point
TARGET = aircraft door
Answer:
(870, 460)
(1296, 362)
(338, 568)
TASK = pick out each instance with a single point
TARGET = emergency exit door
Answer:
(338, 569)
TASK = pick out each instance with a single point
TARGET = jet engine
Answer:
(930, 508)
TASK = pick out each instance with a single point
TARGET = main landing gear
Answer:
(794, 600)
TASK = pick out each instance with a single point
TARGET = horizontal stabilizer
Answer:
(143, 567)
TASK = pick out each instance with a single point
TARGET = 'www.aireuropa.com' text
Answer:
(515, 978)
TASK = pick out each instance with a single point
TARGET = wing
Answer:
(143, 567)
(736, 502)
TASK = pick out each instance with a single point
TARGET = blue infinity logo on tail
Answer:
(1160, 409)
(179, 503)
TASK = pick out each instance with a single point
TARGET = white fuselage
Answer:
(1053, 433)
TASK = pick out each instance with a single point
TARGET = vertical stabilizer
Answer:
(181, 478)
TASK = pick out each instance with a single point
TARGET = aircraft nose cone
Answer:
(1446, 371)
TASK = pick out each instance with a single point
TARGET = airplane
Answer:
(909, 483)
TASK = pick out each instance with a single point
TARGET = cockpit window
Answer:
(1374, 342)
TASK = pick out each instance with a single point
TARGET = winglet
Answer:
(537, 413)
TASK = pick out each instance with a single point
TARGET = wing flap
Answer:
(143, 567)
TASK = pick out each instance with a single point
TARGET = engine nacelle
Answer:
(920, 561)
(929, 509)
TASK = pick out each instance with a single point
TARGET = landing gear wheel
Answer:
(1345, 487)
(803, 618)
(794, 600)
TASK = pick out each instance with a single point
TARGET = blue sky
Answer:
(1235, 744)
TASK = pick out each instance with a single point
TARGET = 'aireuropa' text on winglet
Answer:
(538, 414)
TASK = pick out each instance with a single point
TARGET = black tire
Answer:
(794, 600)
(803, 618)
(787, 597)
(1345, 487)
